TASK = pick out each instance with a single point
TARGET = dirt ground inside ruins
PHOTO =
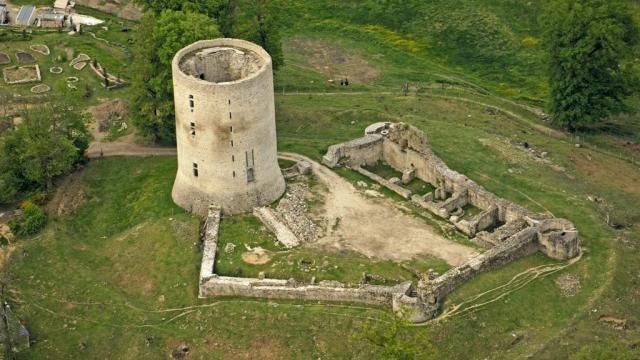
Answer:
(375, 227)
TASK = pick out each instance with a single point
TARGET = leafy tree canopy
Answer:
(48, 143)
(590, 49)
(172, 25)
(159, 39)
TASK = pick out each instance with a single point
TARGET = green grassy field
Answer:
(124, 267)
(128, 256)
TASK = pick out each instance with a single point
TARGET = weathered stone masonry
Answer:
(214, 285)
(225, 127)
(523, 232)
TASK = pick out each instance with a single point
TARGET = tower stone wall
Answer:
(225, 127)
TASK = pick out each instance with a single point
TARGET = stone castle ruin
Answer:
(507, 230)
(227, 163)
(225, 127)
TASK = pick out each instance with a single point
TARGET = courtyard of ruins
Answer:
(352, 216)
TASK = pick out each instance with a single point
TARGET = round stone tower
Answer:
(225, 127)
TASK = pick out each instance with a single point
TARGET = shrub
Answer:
(32, 221)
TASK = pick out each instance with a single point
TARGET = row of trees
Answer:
(168, 26)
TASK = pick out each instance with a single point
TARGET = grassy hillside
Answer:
(118, 278)
(124, 266)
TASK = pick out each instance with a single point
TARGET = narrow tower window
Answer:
(193, 129)
(195, 169)
(191, 103)
(249, 161)
(229, 114)
(230, 128)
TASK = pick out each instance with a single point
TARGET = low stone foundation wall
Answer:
(405, 193)
(280, 230)
(289, 289)
(523, 233)
(209, 236)
(212, 284)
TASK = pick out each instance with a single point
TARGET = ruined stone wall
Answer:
(430, 168)
(479, 222)
(289, 289)
(405, 193)
(523, 234)
(558, 239)
(214, 285)
(362, 151)
(209, 237)
(520, 245)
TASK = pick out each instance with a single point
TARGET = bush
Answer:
(32, 221)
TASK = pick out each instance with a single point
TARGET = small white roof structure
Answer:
(61, 4)
(25, 15)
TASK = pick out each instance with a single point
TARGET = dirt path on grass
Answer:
(376, 227)
(126, 146)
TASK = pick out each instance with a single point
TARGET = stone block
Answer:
(408, 175)
(304, 167)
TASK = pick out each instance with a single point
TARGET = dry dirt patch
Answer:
(332, 60)
(124, 9)
(376, 227)
(256, 256)
(68, 196)
(607, 170)
(22, 74)
(105, 112)
(25, 57)
(4, 59)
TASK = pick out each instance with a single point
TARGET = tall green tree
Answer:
(590, 51)
(9, 183)
(221, 10)
(256, 20)
(159, 39)
(48, 143)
